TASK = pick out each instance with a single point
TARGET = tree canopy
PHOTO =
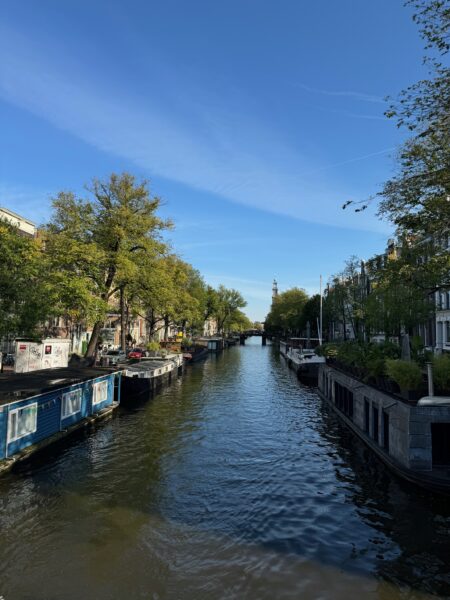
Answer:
(286, 313)
(101, 255)
(25, 294)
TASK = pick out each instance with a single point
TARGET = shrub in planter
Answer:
(388, 349)
(186, 343)
(328, 350)
(351, 354)
(441, 372)
(152, 348)
(406, 374)
(376, 367)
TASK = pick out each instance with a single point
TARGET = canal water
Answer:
(236, 482)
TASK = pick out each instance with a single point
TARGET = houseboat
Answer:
(214, 344)
(411, 437)
(301, 357)
(195, 354)
(141, 379)
(41, 407)
(305, 362)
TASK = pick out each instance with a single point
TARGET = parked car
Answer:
(136, 353)
(115, 356)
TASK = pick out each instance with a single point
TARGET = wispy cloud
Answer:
(351, 160)
(230, 155)
(352, 115)
(343, 94)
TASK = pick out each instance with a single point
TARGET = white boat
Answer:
(305, 362)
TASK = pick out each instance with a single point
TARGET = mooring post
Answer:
(430, 378)
(263, 339)
(242, 339)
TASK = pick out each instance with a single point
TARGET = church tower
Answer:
(274, 290)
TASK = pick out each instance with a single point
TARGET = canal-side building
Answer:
(411, 437)
(25, 227)
(443, 321)
(42, 407)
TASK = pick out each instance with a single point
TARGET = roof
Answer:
(19, 386)
(16, 216)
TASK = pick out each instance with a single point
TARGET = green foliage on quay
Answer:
(406, 374)
(441, 373)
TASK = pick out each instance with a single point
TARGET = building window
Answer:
(100, 392)
(71, 403)
(447, 332)
(22, 422)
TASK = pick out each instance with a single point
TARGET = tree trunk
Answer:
(166, 328)
(123, 327)
(93, 342)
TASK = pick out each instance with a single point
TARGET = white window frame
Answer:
(12, 437)
(100, 391)
(65, 397)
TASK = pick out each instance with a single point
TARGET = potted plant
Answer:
(153, 348)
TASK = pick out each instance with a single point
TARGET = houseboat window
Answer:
(343, 399)
(100, 392)
(440, 443)
(366, 416)
(71, 403)
(22, 422)
(375, 423)
(386, 431)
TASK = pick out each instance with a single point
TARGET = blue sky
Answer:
(254, 120)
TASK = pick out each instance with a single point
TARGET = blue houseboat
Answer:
(41, 407)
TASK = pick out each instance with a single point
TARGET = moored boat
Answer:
(196, 354)
(140, 380)
(305, 362)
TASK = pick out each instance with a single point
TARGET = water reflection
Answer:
(236, 482)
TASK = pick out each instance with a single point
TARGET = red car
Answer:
(136, 353)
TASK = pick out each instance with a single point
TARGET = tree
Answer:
(394, 305)
(98, 241)
(211, 303)
(25, 294)
(311, 315)
(417, 200)
(285, 315)
(228, 301)
(184, 306)
(239, 322)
